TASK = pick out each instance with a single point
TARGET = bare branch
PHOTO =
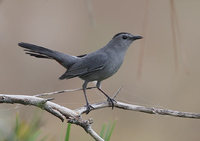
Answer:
(53, 108)
(74, 116)
(138, 108)
(86, 125)
(94, 134)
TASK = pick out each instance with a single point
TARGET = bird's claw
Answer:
(111, 102)
(88, 108)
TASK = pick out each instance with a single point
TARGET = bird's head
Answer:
(125, 39)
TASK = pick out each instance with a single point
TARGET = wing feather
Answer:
(88, 64)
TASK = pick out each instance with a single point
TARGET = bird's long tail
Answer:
(41, 52)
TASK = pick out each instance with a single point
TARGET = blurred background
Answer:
(161, 70)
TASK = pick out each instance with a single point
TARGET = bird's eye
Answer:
(124, 37)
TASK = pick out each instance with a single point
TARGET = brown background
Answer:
(169, 76)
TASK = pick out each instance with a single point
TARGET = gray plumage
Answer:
(95, 66)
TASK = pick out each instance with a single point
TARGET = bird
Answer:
(96, 66)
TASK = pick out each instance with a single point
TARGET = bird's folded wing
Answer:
(87, 65)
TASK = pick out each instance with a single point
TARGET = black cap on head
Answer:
(120, 34)
(132, 37)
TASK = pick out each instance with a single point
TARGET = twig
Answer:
(60, 92)
(115, 95)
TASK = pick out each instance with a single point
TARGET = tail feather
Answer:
(41, 52)
(30, 48)
(38, 55)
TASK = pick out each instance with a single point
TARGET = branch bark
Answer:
(74, 116)
(138, 108)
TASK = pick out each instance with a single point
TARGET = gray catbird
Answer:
(95, 66)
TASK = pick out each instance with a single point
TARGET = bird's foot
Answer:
(111, 101)
(88, 108)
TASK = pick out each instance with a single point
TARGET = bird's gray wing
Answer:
(81, 55)
(87, 65)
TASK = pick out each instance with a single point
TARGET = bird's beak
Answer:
(137, 37)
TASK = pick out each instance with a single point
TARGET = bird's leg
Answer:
(88, 106)
(110, 100)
